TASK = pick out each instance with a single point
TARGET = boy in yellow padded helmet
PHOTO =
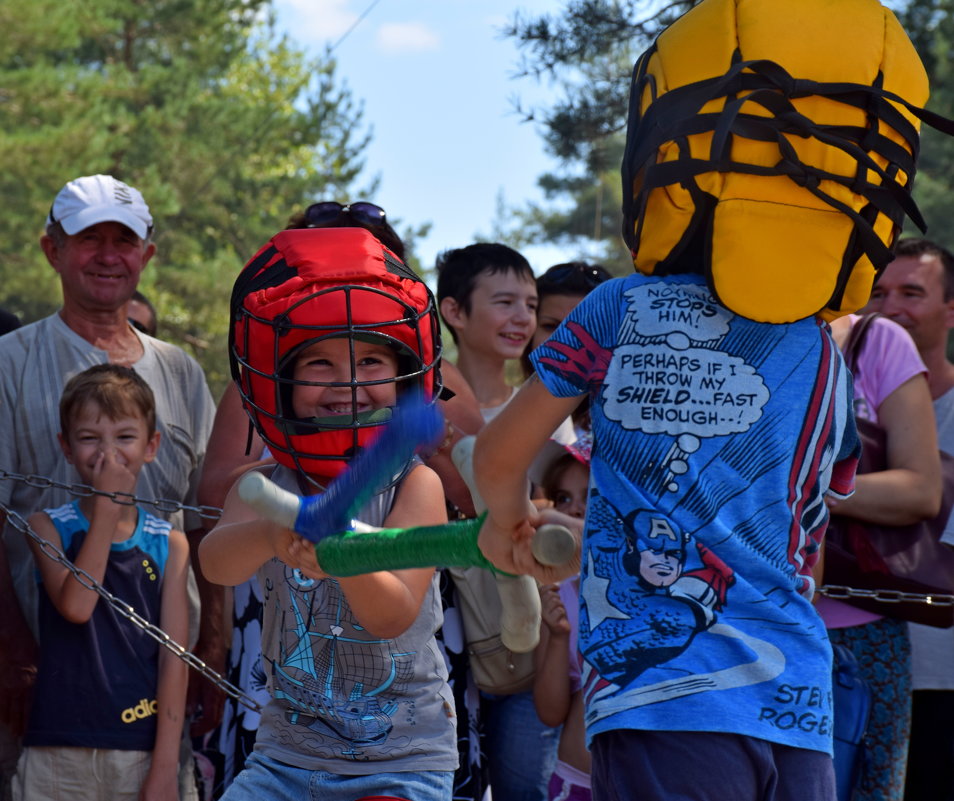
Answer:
(721, 407)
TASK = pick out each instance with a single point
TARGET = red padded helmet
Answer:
(311, 284)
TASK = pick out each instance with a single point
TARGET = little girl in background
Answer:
(564, 478)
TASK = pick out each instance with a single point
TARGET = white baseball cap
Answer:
(94, 199)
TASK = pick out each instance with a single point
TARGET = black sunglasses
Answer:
(590, 275)
(329, 210)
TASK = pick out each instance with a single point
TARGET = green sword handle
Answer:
(366, 549)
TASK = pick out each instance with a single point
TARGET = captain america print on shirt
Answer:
(676, 603)
(716, 439)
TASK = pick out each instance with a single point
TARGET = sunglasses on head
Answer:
(589, 274)
(328, 211)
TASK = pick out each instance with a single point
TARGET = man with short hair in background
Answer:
(98, 239)
(916, 290)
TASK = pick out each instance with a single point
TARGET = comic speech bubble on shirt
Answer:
(679, 312)
(658, 390)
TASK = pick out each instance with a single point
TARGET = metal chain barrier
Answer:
(840, 593)
(123, 608)
(163, 505)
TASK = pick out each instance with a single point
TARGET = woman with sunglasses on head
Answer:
(234, 448)
(559, 290)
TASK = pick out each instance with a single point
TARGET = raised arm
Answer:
(70, 598)
(73, 600)
(551, 678)
(462, 418)
(505, 448)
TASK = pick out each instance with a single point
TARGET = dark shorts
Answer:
(661, 766)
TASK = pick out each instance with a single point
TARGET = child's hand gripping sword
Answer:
(345, 547)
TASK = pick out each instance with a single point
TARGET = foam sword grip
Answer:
(520, 608)
(520, 612)
(269, 500)
(552, 544)
(331, 512)
(463, 458)
(306, 516)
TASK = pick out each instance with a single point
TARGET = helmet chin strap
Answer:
(334, 422)
(373, 417)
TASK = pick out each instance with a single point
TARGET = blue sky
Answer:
(436, 79)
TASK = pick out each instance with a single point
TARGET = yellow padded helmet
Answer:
(771, 146)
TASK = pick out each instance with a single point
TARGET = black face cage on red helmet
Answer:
(309, 285)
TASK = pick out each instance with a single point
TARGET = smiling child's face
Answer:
(329, 361)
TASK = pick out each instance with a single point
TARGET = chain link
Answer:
(164, 505)
(118, 604)
(839, 593)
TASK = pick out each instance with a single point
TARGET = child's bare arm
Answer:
(551, 681)
(387, 603)
(73, 600)
(56, 577)
(505, 448)
(162, 780)
(241, 542)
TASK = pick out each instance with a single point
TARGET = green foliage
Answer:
(930, 24)
(225, 127)
(588, 52)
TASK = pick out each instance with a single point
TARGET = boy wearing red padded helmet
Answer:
(313, 285)
(328, 329)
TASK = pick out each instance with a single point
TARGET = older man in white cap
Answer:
(98, 241)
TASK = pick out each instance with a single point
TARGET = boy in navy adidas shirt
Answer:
(107, 714)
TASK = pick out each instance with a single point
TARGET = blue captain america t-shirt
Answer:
(715, 441)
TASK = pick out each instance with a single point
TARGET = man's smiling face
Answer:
(99, 267)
